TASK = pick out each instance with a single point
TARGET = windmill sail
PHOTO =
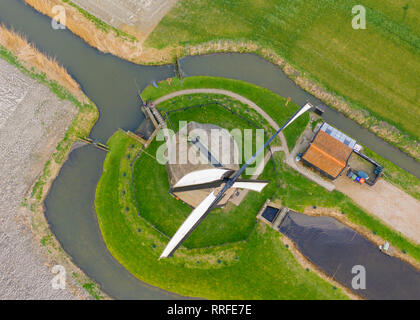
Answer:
(254, 185)
(202, 176)
(189, 225)
(211, 201)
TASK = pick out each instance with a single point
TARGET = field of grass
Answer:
(374, 69)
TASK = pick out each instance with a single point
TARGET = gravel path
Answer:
(32, 122)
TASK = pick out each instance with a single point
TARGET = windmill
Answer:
(221, 179)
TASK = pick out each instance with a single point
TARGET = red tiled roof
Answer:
(328, 154)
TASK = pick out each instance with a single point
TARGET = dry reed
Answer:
(30, 58)
(76, 22)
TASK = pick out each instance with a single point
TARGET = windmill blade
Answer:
(250, 185)
(254, 185)
(251, 160)
(211, 201)
(202, 176)
(189, 225)
(301, 111)
(208, 185)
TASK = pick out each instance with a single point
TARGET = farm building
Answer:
(329, 151)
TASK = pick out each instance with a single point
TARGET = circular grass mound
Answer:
(229, 256)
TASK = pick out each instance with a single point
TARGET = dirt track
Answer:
(32, 122)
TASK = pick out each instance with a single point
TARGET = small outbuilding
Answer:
(329, 151)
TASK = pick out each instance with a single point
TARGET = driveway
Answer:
(388, 203)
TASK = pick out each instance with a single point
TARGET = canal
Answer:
(339, 251)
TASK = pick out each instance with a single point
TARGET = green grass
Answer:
(375, 69)
(258, 268)
(218, 269)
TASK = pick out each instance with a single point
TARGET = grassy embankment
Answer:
(374, 70)
(18, 52)
(229, 255)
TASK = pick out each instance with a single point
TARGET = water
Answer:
(113, 85)
(336, 249)
(75, 223)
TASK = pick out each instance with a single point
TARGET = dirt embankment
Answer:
(137, 19)
(33, 123)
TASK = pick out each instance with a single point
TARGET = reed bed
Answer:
(33, 59)
(98, 35)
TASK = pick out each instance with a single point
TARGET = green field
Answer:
(230, 255)
(376, 69)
